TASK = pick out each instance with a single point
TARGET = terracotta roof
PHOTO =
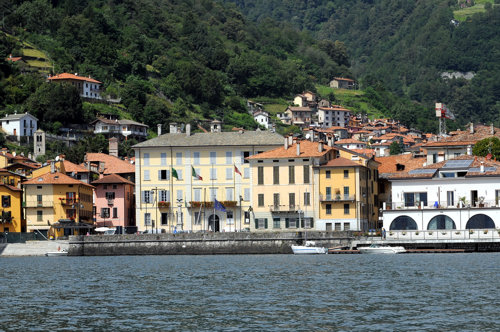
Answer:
(8, 186)
(24, 165)
(55, 178)
(112, 164)
(336, 128)
(67, 76)
(341, 162)
(13, 59)
(449, 143)
(299, 109)
(388, 164)
(464, 137)
(70, 167)
(366, 152)
(349, 141)
(334, 108)
(343, 79)
(307, 149)
(113, 178)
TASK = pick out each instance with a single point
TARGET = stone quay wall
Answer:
(201, 243)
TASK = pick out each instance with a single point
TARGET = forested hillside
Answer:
(166, 60)
(404, 46)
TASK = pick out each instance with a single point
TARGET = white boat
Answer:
(376, 248)
(309, 249)
(56, 253)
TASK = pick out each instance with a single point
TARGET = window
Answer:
(213, 174)
(290, 223)
(261, 223)
(246, 173)
(346, 208)
(196, 157)
(146, 175)
(213, 193)
(291, 199)
(179, 194)
(276, 175)
(147, 219)
(179, 173)
(328, 193)
(347, 226)
(146, 159)
(414, 199)
(164, 195)
(163, 174)
(146, 196)
(246, 154)
(328, 209)
(346, 192)
(246, 194)
(276, 200)
(229, 173)
(39, 199)
(260, 199)
(197, 194)
(39, 215)
(229, 157)
(247, 217)
(276, 222)
(450, 198)
(328, 174)
(115, 212)
(164, 218)
(306, 173)
(178, 158)
(104, 212)
(307, 198)
(291, 174)
(213, 157)
(346, 174)
(260, 175)
(163, 158)
(110, 195)
(197, 218)
(229, 218)
(229, 194)
(5, 201)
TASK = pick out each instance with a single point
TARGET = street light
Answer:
(179, 213)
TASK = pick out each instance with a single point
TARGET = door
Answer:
(214, 223)
(473, 198)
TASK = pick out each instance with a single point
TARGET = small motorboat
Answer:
(309, 249)
(59, 252)
(376, 248)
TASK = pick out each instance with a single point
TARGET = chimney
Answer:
(52, 166)
(469, 150)
(320, 146)
(492, 129)
(286, 143)
(159, 129)
(173, 128)
(102, 166)
(290, 140)
(113, 146)
(471, 129)
(312, 135)
(330, 141)
(298, 148)
(188, 129)
(481, 169)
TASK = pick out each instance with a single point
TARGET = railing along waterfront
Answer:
(444, 234)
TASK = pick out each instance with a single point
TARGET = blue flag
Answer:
(218, 206)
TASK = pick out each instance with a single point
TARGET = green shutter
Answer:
(265, 223)
(287, 223)
(256, 223)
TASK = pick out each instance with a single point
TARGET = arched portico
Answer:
(480, 221)
(403, 223)
(441, 221)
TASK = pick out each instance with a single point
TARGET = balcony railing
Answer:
(442, 205)
(284, 208)
(32, 204)
(444, 234)
(336, 198)
(68, 201)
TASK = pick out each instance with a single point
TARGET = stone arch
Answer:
(480, 221)
(403, 223)
(441, 221)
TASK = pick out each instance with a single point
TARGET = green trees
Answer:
(395, 148)
(490, 145)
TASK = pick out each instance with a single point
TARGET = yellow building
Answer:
(11, 195)
(284, 185)
(58, 205)
(179, 175)
(348, 193)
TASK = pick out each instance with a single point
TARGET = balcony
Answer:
(336, 198)
(283, 208)
(442, 205)
(111, 201)
(68, 201)
(34, 204)
(163, 205)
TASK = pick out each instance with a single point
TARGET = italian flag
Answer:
(195, 175)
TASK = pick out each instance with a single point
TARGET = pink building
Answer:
(114, 201)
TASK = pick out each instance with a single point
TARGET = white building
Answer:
(333, 116)
(262, 118)
(123, 128)
(23, 124)
(87, 86)
(351, 144)
(458, 194)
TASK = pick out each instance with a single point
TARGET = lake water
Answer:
(252, 293)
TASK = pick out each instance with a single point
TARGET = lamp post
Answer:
(241, 199)
(179, 213)
(250, 210)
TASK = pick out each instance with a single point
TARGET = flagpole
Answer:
(171, 187)
(192, 168)
(234, 193)
(212, 176)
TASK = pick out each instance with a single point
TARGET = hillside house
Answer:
(88, 87)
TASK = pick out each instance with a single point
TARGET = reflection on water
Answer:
(252, 293)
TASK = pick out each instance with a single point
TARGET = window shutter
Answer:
(143, 197)
(159, 175)
(168, 174)
(265, 223)
(287, 223)
(312, 223)
(256, 223)
(302, 223)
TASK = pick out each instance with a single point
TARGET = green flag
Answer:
(174, 174)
